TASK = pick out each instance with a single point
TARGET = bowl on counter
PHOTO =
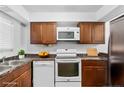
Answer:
(43, 54)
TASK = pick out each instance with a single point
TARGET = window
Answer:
(6, 34)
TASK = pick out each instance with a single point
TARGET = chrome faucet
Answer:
(3, 59)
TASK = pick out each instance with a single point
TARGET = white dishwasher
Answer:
(43, 73)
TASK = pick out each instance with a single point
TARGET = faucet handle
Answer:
(3, 57)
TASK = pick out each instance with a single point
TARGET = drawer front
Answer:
(94, 63)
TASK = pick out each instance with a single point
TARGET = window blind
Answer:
(6, 34)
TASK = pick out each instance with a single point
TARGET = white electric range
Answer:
(67, 68)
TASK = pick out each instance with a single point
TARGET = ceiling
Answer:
(62, 8)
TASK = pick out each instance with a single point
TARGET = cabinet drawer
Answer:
(94, 63)
(96, 67)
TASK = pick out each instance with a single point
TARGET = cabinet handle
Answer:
(100, 69)
(5, 83)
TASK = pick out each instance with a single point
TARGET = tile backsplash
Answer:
(81, 48)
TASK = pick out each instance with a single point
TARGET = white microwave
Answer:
(68, 33)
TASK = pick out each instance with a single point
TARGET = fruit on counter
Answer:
(43, 54)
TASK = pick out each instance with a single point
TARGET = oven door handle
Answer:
(67, 61)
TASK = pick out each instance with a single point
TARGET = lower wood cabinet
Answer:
(94, 73)
(22, 81)
(20, 77)
(26, 79)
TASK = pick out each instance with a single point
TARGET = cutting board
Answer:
(92, 52)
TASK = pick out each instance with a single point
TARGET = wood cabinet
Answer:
(86, 33)
(49, 33)
(43, 33)
(94, 73)
(26, 79)
(22, 81)
(98, 33)
(20, 77)
(36, 33)
(92, 33)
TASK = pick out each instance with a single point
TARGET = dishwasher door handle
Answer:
(42, 64)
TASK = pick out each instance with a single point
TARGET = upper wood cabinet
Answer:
(92, 33)
(43, 33)
(36, 33)
(49, 33)
(86, 33)
(98, 33)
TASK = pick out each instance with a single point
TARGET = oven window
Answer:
(68, 69)
(66, 35)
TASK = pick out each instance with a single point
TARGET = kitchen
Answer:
(60, 46)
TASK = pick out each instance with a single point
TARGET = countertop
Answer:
(101, 56)
(34, 57)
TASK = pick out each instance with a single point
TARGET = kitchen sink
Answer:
(13, 63)
(5, 63)
(8, 65)
(4, 68)
(16, 62)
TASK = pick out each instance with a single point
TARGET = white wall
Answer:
(33, 48)
(20, 10)
(117, 12)
(18, 43)
(62, 16)
(105, 10)
(22, 34)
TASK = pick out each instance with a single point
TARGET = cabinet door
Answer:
(94, 73)
(22, 81)
(92, 33)
(98, 33)
(15, 83)
(36, 33)
(85, 33)
(100, 76)
(94, 76)
(26, 79)
(87, 76)
(49, 33)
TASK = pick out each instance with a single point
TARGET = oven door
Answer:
(68, 70)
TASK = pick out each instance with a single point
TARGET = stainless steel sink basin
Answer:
(5, 63)
(8, 65)
(16, 62)
(4, 68)
(13, 63)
